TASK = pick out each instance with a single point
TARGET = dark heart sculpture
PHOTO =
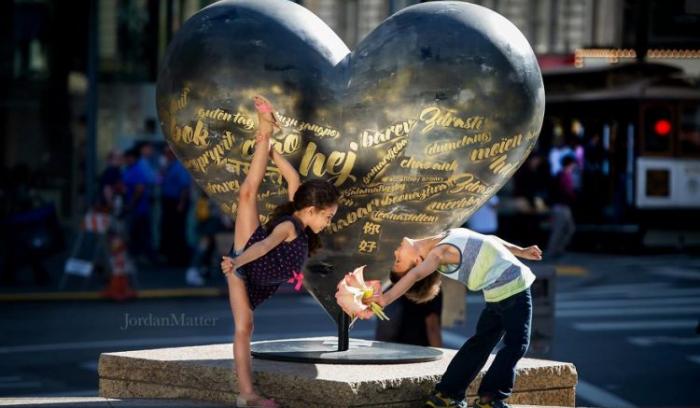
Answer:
(422, 123)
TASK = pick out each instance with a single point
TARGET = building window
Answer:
(689, 132)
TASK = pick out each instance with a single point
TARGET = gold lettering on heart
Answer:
(412, 179)
(418, 218)
(289, 144)
(354, 216)
(420, 195)
(179, 103)
(237, 167)
(374, 189)
(344, 201)
(391, 154)
(434, 116)
(498, 148)
(499, 166)
(225, 187)
(317, 130)
(467, 183)
(373, 138)
(369, 208)
(214, 155)
(450, 205)
(186, 135)
(338, 164)
(412, 163)
(436, 148)
(220, 114)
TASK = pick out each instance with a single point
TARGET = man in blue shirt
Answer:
(175, 203)
(137, 205)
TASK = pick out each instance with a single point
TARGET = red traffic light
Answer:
(662, 127)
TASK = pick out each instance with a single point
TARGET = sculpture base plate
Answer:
(324, 350)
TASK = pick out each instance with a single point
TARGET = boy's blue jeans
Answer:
(509, 319)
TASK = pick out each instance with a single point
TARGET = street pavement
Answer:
(628, 323)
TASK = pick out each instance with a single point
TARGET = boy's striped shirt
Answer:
(486, 264)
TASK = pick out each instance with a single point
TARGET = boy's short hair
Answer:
(424, 290)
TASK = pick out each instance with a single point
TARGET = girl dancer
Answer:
(263, 257)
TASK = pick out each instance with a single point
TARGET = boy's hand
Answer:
(532, 252)
(378, 299)
(227, 265)
(365, 314)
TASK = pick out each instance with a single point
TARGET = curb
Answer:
(97, 295)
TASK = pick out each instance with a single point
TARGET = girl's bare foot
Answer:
(255, 401)
(266, 118)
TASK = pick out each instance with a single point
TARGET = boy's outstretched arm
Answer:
(420, 271)
(288, 171)
(533, 252)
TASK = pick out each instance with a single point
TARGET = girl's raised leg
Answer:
(247, 216)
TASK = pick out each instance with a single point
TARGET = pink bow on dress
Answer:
(298, 278)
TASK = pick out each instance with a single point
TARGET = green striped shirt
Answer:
(485, 264)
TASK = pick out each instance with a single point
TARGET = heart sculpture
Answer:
(421, 124)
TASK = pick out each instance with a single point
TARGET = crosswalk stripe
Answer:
(676, 273)
(629, 311)
(627, 294)
(575, 304)
(652, 340)
(636, 325)
(624, 287)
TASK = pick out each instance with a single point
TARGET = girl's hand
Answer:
(532, 252)
(227, 265)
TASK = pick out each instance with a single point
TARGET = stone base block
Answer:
(206, 373)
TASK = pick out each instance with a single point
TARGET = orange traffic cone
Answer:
(118, 287)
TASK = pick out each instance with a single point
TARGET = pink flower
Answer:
(352, 289)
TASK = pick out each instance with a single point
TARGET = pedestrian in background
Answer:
(563, 199)
(210, 221)
(137, 207)
(175, 204)
(420, 324)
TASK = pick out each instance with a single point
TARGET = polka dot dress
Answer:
(264, 275)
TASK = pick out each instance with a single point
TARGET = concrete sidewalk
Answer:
(99, 402)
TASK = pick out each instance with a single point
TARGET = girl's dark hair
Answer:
(317, 193)
(424, 290)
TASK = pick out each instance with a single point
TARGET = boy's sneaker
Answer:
(490, 404)
(439, 400)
